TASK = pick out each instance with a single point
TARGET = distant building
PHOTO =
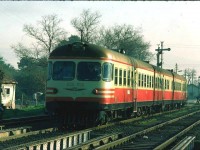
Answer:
(193, 91)
(8, 93)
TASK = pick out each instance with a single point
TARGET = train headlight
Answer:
(95, 91)
(51, 90)
(55, 91)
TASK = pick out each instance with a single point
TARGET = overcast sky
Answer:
(175, 23)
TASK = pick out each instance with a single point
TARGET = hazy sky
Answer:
(175, 23)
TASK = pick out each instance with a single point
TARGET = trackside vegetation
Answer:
(24, 112)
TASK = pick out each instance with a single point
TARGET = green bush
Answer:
(24, 112)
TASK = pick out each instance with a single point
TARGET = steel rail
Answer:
(126, 139)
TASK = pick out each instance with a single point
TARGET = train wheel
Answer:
(149, 111)
(129, 112)
(109, 116)
(102, 118)
(139, 112)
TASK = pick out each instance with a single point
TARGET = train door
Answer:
(134, 88)
(154, 85)
(162, 89)
(173, 87)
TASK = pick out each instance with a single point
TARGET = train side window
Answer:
(168, 84)
(120, 77)
(148, 81)
(132, 79)
(49, 70)
(142, 83)
(139, 80)
(124, 78)
(116, 76)
(156, 82)
(150, 78)
(145, 80)
(107, 71)
(129, 78)
(152, 82)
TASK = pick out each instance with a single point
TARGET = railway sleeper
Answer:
(14, 131)
(56, 143)
(96, 142)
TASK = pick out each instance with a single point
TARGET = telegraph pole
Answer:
(160, 53)
(176, 68)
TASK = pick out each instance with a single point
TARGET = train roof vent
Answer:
(78, 45)
(171, 70)
(122, 51)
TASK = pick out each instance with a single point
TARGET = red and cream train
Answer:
(88, 82)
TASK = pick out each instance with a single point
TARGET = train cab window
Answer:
(107, 71)
(120, 77)
(124, 78)
(116, 76)
(49, 70)
(89, 71)
(63, 70)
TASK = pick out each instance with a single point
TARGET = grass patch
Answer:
(24, 112)
(148, 121)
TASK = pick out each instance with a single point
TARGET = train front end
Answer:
(79, 81)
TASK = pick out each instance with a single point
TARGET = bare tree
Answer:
(190, 75)
(22, 51)
(47, 33)
(87, 25)
(127, 38)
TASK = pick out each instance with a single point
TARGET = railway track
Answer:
(158, 135)
(91, 138)
(17, 122)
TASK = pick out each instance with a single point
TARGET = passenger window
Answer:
(120, 77)
(129, 78)
(142, 81)
(116, 76)
(139, 80)
(148, 81)
(107, 71)
(124, 77)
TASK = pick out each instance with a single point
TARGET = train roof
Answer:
(80, 50)
(90, 51)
